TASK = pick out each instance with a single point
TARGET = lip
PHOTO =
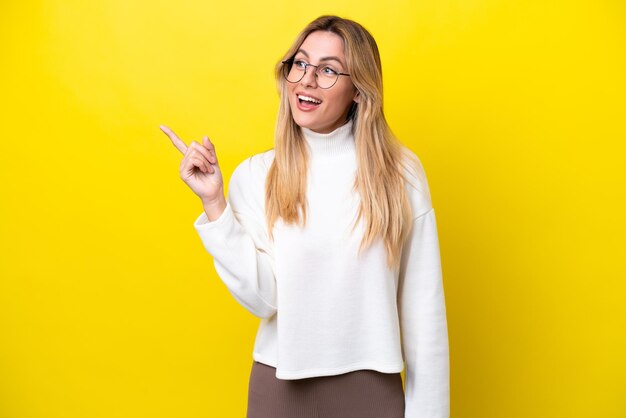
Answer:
(303, 107)
(307, 94)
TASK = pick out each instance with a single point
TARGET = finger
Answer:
(194, 159)
(201, 163)
(178, 143)
(189, 164)
(201, 149)
(209, 145)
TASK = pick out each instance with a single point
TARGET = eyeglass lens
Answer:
(326, 76)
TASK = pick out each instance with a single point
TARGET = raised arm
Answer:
(238, 242)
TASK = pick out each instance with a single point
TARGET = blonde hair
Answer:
(381, 158)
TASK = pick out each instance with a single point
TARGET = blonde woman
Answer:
(331, 239)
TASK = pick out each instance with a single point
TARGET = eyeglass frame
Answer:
(306, 66)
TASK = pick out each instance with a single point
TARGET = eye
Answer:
(299, 64)
(328, 71)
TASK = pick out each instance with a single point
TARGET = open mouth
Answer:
(307, 101)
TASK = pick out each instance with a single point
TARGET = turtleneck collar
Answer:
(338, 141)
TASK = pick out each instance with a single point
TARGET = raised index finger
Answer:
(178, 143)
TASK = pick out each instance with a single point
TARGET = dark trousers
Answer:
(357, 394)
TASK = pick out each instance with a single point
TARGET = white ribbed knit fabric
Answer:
(323, 310)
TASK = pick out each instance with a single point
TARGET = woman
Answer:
(331, 239)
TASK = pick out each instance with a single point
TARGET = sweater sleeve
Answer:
(423, 323)
(238, 242)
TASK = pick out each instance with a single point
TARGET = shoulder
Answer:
(254, 166)
(248, 177)
(416, 183)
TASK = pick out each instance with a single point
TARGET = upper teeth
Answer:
(310, 99)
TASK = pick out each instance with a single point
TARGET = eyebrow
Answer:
(323, 58)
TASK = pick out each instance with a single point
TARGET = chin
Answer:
(307, 125)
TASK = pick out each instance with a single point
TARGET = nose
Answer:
(309, 78)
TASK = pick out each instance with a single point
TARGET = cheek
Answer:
(341, 99)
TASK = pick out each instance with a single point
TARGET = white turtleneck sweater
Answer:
(325, 311)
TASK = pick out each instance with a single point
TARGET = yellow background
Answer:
(109, 304)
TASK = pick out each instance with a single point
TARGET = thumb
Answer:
(211, 148)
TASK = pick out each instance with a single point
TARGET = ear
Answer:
(357, 97)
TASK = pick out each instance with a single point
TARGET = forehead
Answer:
(321, 44)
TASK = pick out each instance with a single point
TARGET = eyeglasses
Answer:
(326, 77)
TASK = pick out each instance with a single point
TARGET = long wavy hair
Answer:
(381, 158)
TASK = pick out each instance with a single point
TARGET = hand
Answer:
(199, 168)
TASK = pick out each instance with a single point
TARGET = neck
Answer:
(340, 140)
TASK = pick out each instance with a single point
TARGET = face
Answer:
(322, 47)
